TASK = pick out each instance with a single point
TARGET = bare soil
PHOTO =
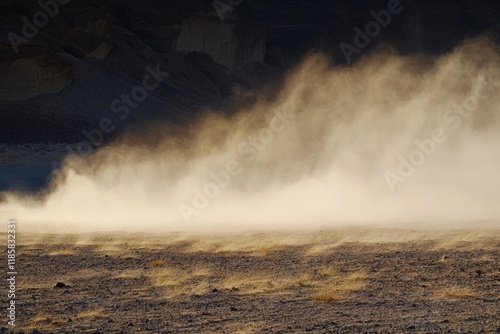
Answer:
(332, 281)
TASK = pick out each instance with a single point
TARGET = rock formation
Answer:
(93, 51)
(34, 71)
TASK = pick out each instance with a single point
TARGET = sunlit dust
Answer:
(391, 140)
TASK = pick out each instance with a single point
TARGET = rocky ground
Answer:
(333, 281)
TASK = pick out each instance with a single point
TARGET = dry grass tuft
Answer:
(157, 263)
(338, 287)
(42, 318)
(244, 328)
(62, 252)
(45, 321)
(130, 273)
(330, 296)
(178, 281)
(457, 292)
(92, 314)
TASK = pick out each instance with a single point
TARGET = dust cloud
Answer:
(393, 140)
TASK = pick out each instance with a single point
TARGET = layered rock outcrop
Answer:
(35, 71)
(231, 42)
(112, 41)
(90, 37)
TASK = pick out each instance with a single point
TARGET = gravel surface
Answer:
(259, 283)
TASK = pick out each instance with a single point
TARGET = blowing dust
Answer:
(393, 140)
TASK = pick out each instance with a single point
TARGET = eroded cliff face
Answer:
(230, 40)
(295, 27)
(90, 37)
(208, 56)
(245, 33)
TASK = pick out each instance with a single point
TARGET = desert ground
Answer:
(346, 280)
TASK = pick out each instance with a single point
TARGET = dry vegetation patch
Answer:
(176, 281)
(456, 292)
(157, 263)
(45, 321)
(338, 286)
(92, 314)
